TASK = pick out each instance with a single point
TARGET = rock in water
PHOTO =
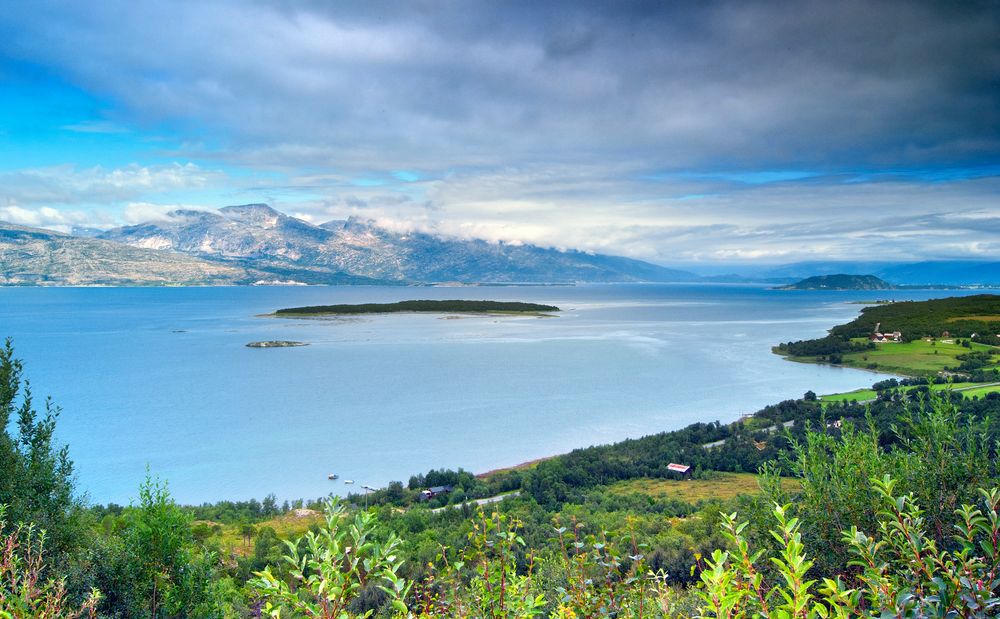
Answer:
(276, 344)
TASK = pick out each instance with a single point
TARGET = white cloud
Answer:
(44, 217)
(95, 126)
(609, 209)
(142, 212)
(70, 185)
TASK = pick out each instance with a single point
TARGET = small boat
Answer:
(333, 476)
(348, 481)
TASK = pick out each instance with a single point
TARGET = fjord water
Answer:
(161, 377)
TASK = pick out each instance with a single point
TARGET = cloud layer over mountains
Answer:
(670, 131)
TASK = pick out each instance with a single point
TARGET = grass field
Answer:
(968, 390)
(287, 526)
(858, 395)
(917, 358)
(724, 486)
(979, 392)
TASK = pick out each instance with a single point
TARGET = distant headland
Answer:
(953, 336)
(840, 282)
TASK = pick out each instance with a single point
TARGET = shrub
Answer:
(901, 570)
(24, 591)
(339, 566)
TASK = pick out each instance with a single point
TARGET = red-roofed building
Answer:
(681, 469)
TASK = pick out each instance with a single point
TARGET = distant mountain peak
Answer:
(334, 224)
(358, 224)
(257, 208)
(190, 214)
(259, 214)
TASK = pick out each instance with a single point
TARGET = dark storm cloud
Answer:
(453, 83)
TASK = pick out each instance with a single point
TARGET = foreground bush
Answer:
(25, 591)
(339, 565)
(896, 570)
(900, 571)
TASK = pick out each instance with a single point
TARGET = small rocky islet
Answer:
(276, 344)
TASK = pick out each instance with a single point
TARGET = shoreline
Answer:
(517, 467)
(809, 361)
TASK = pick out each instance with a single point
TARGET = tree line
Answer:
(424, 305)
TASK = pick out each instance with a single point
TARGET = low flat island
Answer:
(429, 306)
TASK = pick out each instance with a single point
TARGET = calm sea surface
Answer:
(161, 377)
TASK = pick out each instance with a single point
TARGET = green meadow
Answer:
(968, 390)
(916, 358)
(720, 486)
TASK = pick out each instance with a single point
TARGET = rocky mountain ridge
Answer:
(255, 243)
(259, 236)
(36, 257)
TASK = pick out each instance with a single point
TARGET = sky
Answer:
(706, 132)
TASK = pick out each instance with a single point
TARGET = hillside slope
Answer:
(30, 256)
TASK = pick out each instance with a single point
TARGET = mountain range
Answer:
(254, 243)
(257, 235)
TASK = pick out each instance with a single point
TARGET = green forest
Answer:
(959, 316)
(886, 509)
(976, 317)
(436, 306)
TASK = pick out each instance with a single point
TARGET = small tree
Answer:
(36, 476)
(247, 531)
(338, 565)
(172, 577)
(497, 590)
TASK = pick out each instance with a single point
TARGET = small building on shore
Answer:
(429, 493)
(683, 470)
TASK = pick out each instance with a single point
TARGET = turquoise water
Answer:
(161, 377)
